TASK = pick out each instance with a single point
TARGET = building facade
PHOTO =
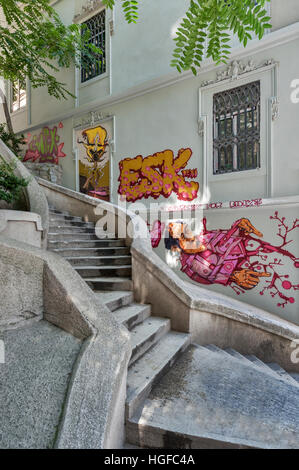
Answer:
(224, 142)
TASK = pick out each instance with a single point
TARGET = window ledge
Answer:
(94, 80)
(237, 175)
(18, 111)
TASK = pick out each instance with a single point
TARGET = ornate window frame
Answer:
(236, 74)
(87, 11)
(97, 27)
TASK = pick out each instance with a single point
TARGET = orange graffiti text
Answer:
(157, 175)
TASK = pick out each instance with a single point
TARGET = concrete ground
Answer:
(209, 398)
(33, 383)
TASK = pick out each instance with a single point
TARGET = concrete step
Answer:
(239, 356)
(107, 271)
(110, 283)
(146, 335)
(255, 360)
(220, 351)
(265, 367)
(295, 376)
(79, 243)
(282, 373)
(53, 211)
(71, 223)
(147, 371)
(71, 229)
(100, 260)
(92, 252)
(202, 402)
(246, 359)
(115, 300)
(71, 236)
(67, 219)
(132, 315)
(106, 236)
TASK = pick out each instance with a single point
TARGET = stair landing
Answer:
(34, 379)
(212, 400)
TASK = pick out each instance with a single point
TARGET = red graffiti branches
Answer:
(279, 284)
(157, 175)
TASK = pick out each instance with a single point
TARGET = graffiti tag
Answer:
(157, 175)
(45, 147)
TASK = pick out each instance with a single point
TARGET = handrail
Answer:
(194, 297)
(35, 196)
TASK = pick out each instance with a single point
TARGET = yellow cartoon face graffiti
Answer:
(95, 141)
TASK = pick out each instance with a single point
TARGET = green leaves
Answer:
(204, 32)
(130, 9)
(207, 27)
(36, 44)
(12, 141)
(10, 185)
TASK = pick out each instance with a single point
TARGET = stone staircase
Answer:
(105, 264)
(180, 395)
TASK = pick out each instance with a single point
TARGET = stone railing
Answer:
(208, 317)
(37, 284)
(23, 226)
(35, 197)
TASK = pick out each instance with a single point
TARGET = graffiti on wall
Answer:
(94, 162)
(236, 257)
(156, 233)
(160, 174)
(45, 147)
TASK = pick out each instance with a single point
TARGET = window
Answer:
(96, 67)
(18, 95)
(236, 138)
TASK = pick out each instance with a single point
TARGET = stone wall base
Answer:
(46, 171)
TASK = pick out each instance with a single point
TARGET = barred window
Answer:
(237, 129)
(18, 95)
(97, 28)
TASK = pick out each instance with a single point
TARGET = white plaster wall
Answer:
(284, 12)
(143, 51)
(167, 118)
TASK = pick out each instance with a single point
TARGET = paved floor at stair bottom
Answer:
(211, 400)
(33, 384)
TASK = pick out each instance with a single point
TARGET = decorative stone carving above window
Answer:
(237, 69)
(90, 119)
(89, 7)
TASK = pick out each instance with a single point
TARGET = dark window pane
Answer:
(97, 65)
(237, 129)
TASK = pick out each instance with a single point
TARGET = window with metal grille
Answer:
(236, 137)
(97, 66)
